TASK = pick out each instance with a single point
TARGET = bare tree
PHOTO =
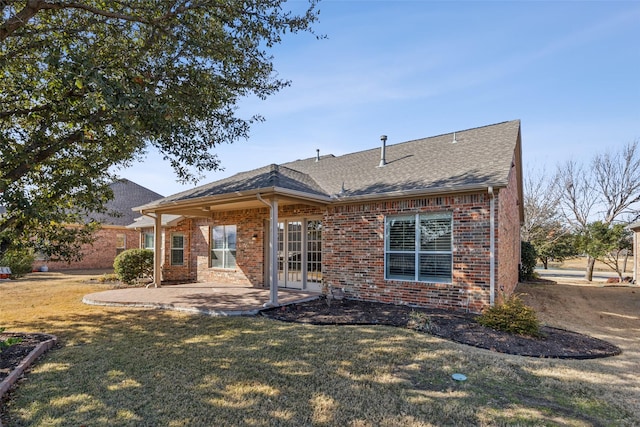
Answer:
(617, 178)
(607, 191)
(541, 200)
(544, 226)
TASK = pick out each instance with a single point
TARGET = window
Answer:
(223, 246)
(177, 249)
(148, 241)
(419, 247)
(121, 243)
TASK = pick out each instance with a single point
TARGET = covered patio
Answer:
(201, 298)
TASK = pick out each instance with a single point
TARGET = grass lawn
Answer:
(158, 368)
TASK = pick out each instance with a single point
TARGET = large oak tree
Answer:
(89, 85)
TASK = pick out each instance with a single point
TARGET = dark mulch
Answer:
(11, 357)
(454, 326)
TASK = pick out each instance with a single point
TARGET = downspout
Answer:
(492, 247)
(273, 250)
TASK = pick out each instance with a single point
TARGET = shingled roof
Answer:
(466, 160)
(126, 195)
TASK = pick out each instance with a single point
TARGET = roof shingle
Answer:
(479, 157)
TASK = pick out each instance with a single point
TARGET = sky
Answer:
(569, 70)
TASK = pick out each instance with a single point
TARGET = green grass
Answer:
(152, 368)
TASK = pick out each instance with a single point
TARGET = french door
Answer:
(300, 254)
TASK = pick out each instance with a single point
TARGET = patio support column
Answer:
(273, 247)
(157, 250)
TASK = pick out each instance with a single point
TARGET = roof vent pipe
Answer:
(383, 151)
(317, 154)
(454, 138)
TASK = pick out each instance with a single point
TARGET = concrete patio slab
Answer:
(202, 298)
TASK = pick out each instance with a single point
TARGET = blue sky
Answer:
(569, 70)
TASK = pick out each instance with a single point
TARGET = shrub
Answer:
(528, 257)
(420, 321)
(133, 264)
(513, 316)
(108, 278)
(20, 261)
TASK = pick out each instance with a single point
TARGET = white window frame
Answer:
(123, 237)
(416, 251)
(144, 240)
(227, 251)
(176, 249)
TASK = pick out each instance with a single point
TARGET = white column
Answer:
(273, 247)
(157, 250)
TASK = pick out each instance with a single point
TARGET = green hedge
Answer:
(134, 264)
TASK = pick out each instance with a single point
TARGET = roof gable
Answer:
(271, 176)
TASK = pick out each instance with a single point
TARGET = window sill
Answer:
(431, 282)
(222, 269)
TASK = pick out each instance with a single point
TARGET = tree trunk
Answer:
(624, 263)
(545, 263)
(591, 262)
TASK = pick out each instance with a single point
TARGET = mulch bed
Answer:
(455, 326)
(11, 357)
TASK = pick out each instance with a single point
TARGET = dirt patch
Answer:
(454, 326)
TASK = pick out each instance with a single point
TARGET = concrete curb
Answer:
(11, 379)
(185, 309)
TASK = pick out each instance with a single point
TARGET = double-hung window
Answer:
(177, 249)
(419, 247)
(223, 246)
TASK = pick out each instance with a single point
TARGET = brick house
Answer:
(113, 236)
(429, 222)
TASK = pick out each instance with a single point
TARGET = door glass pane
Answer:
(314, 251)
(294, 255)
(281, 252)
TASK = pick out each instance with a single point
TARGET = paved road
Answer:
(578, 274)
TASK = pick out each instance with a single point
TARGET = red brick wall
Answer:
(353, 249)
(508, 239)
(101, 253)
(250, 242)
(353, 252)
(178, 273)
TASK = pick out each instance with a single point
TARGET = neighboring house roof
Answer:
(148, 222)
(462, 161)
(126, 195)
(635, 226)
